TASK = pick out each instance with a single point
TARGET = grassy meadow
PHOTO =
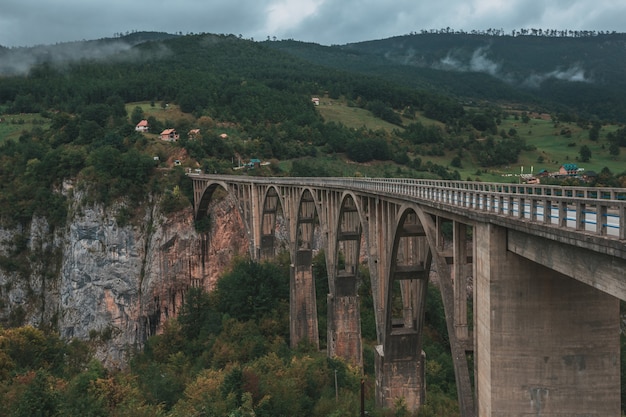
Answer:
(554, 144)
(12, 125)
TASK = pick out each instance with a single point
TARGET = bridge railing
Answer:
(600, 211)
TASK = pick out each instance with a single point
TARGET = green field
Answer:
(355, 117)
(557, 148)
(12, 125)
(555, 144)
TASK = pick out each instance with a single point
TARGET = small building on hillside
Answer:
(568, 169)
(590, 176)
(169, 135)
(193, 134)
(142, 126)
(316, 101)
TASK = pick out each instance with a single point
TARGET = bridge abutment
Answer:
(546, 344)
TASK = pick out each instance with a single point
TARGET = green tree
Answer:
(39, 399)
(594, 132)
(252, 289)
(80, 398)
(585, 153)
(137, 115)
(198, 318)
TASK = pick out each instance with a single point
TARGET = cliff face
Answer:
(110, 284)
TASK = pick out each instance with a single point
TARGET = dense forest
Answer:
(221, 356)
(70, 115)
(572, 73)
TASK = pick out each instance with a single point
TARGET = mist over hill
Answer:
(582, 74)
(20, 61)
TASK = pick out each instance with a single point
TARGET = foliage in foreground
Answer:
(227, 353)
(211, 362)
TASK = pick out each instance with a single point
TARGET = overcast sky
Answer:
(327, 22)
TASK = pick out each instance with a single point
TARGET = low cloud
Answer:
(573, 74)
(20, 61)
(478, 62)
(481, 63)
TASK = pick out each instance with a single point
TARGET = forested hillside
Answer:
(576, 72)
(434, 105)
(84, 128)
(452, 91)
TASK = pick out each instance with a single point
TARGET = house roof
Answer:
(168, 131)
(570, 167)
(142, 123)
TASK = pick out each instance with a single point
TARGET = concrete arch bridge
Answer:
(548, 267)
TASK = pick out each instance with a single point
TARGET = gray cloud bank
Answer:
(32, 22)
(480, 62)
(19, 61)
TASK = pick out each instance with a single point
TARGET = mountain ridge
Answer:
(580, 74)
(487, 67)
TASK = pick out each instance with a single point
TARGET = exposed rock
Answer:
(114, 285)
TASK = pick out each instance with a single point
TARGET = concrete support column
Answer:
(303, 308)
(254, 208)
(459, 250)
(546, 344)
(400, 372)
(302, 301)
(344, 329)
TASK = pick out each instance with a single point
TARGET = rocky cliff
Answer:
(112, 284)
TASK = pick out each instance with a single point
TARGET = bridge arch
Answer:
(244, 198)
(411, 257)
(203, 197)
(272, 208)
(348, 237)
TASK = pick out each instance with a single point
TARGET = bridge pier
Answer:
(344, 320)
(400, 372)
(344, 328)
(546, 344)
(302, 302)
(303, 311)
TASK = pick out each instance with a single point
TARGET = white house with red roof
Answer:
(169, 135)
(142, 126)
